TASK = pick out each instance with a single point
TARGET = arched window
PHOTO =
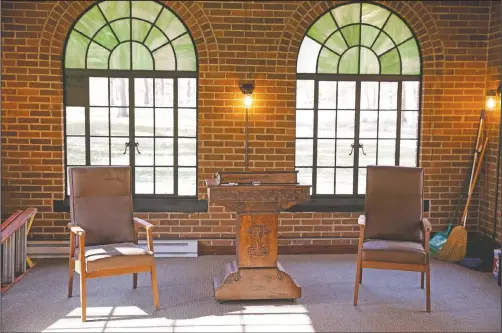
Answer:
(130, 81)
(358, 97)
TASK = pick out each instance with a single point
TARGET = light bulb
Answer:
(491, 103)
(248, 101)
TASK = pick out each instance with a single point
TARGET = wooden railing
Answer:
(14, 247)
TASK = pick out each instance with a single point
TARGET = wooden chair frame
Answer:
(423, 269)
(79, 265)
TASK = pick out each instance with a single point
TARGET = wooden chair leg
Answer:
(71, 270)
(135, 281)
(422, 280)
(83, 296)
(358, 279)
(428, 287)
(361, 275)
(155, 291)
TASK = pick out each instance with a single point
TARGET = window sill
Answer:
(335, 205)
(147, 205)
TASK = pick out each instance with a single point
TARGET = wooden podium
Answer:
(257, 197)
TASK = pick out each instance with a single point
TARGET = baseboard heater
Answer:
(163, 248)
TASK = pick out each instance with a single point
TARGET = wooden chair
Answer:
(103, 231)
(393, 232)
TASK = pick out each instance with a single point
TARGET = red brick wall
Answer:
(488, 177)
(236, 39)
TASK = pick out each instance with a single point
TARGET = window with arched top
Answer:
(358, 97)
(130, 95)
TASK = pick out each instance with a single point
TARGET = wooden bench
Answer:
(15, 261)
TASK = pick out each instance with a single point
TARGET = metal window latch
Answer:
(352, 150)
(362, 147)
(125, 148)
(137, 148)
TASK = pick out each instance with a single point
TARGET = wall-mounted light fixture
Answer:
(247, 90)
(491, 101)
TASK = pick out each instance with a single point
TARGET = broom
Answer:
(456, 245)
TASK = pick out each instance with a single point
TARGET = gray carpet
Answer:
(462, 300)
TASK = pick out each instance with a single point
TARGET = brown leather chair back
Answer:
(394, 203)
(101, 203)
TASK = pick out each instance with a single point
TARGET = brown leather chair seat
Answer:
(111, 256)
(399, 252)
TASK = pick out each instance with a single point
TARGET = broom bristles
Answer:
(456, 245)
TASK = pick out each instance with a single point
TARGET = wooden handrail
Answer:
(17, 222)
(10, 219)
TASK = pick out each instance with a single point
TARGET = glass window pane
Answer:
(143, 92)
(119, 118)
(409, 124)
(170, 24)
(98, 121)
(328, 62)
(75, 150)
(390, 63)
(164, 92)
(187, 181)
(118, 149)
(345, 124)
(106, 38)
(121, 28)
(388, 95)
(187, 152)
(187, 122)
(387, 124)
(337, 43)
(303, 152)
(98, 91)
(164, 58)
(143, 122)
(397, 29)
(326, 124)
(90, 22)
(344, 152)
(322, 28)
(304, 94)
(164, 152)
(327, 95)
(347, 14)
(386, 152)
(351, 35)
(304, 176)
(139, 30)
(368, 157)
(344, 181)
(147, 10)
(75, 120)
(368, 124)
(408, 153)
(100, 151)
(143, 180)
(374, 15)
(410, 57)
(187, 92)
(346, 95)
(75, 51)
(141, 57)
(361, 186)
(368, 35)
(115, 9)
(349, 63)
(304, 123)
(382, 44)
(369, 95)
(369, 62)
(119, 91)
(164, 122)
(121, 57)
(309, 49)
(97, 57)
(145, 154)
(326, 152)
(185, 54)
(411, 94)
(325, 181)
(164, 181)
(155, 39)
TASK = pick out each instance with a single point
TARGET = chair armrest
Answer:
(76, 229)
(142, 223)
(362, 220)
(426, 225)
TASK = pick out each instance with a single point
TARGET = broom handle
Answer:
(476, 150)
(464, 215)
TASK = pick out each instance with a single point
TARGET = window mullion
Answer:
(357, 119)
(132, 156)
(175, 136)
(398, 121)
(87, 127)
(316, 117)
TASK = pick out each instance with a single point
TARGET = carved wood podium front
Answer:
(258, 198)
